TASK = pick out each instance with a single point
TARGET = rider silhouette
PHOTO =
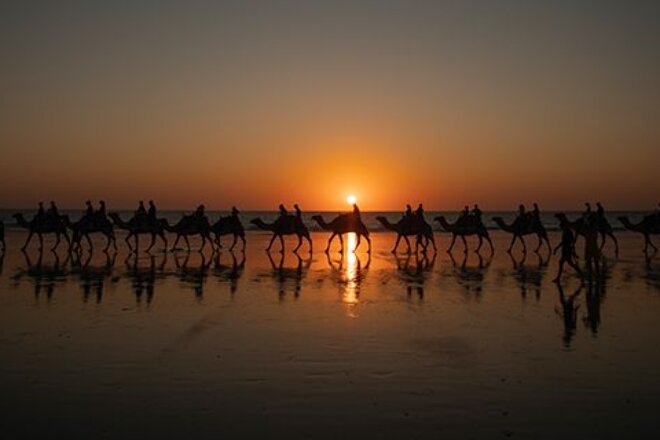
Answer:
(234, 211)
(101, 211)
(140, 211)
(53, 212)
(41, 213)
(419, 212)
(199, 212)
(90, 209)
(600, 211)
(298, 212)
(152, 210)
(476, 212)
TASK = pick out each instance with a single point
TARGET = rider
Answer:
(140, 211)
(419, 212)
(90, 209)
(199, 212)
(298, 211)
(356, 211)
(283, 211)
(151, 213)
(536, 213)
(465, 215)
(476, 211)
(234, 211)
(600, 212)
(587, 212)
(41, 213)
(101, 211)
(53, 212)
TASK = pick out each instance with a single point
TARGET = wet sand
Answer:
(179, 344)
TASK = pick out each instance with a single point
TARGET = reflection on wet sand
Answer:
(470, 277)
(568, 312)
(349, 273)
(92, 277)
(529, 276)
(414, 271)
(45, 276)
(229, 273)
(284, 275)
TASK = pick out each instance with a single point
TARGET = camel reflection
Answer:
(529, 276)
(143, 279)
(349, 274)
(193, 276)
(415, 271)
(470, 277)
(568, 312)
(44, 276)
(595, 296)
(92, 277)
(285, 275)
(229, 273)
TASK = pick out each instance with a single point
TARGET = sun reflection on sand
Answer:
(351, 274)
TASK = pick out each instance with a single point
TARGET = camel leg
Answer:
(66, 237)
(547, 241)
(451, 245)
(185, 238)
(127, 240)
(490, 243)
(309, 240)
(465, 246)
(522, 240)
(341, 244)
(89, 242)
(366, 237)
(396, 245)
(231, 248)
(432, 239)
(178, 237)
(538, 246)
(616, 243)
(357, 244)
(153, 242)
(244, 243)
(332, 237)
(408, 244)
(272, 239)
(161, 234)
(203, 242)
(513, 241)
(27, 241)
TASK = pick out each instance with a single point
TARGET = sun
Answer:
(351, 199)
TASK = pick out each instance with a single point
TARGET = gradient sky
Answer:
(253, 103)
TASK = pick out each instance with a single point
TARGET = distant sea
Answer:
(369, 217)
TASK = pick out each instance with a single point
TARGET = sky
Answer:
(253, 103)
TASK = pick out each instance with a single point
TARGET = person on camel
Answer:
(53, 212)
(283, 211)
(151, 213)
(89, 211)
(141, 211)
(356, 212)
(587, 212)
(536, 214)
(476, 212)
(464, 217)
(298, 211)
(234, 212)
(41, 213)
(101, 212)
(200, 211)
(521, 219)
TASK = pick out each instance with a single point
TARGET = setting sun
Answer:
(351, 199)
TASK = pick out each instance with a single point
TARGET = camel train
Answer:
(412, 224)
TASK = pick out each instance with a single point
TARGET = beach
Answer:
(243, 345)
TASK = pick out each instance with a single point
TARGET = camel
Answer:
(405, 228)
(464, 229)
(343, 224)
(649, 225)
(89, 225)
(226, 226)
(137, 227)
(286, 225)
(521, 228)
(604, 228)
(190, 225)
(47, 226)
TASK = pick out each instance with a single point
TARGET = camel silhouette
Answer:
(649, 225)
(187, 226)
(48, 225)
(343, 224)
(521, 227)
(407, 227)
(472, 226)
(138, 225)
(285, 225)
(604, 229)
(229, 225)
(90, 225)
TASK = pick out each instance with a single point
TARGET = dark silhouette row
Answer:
(411, 224)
